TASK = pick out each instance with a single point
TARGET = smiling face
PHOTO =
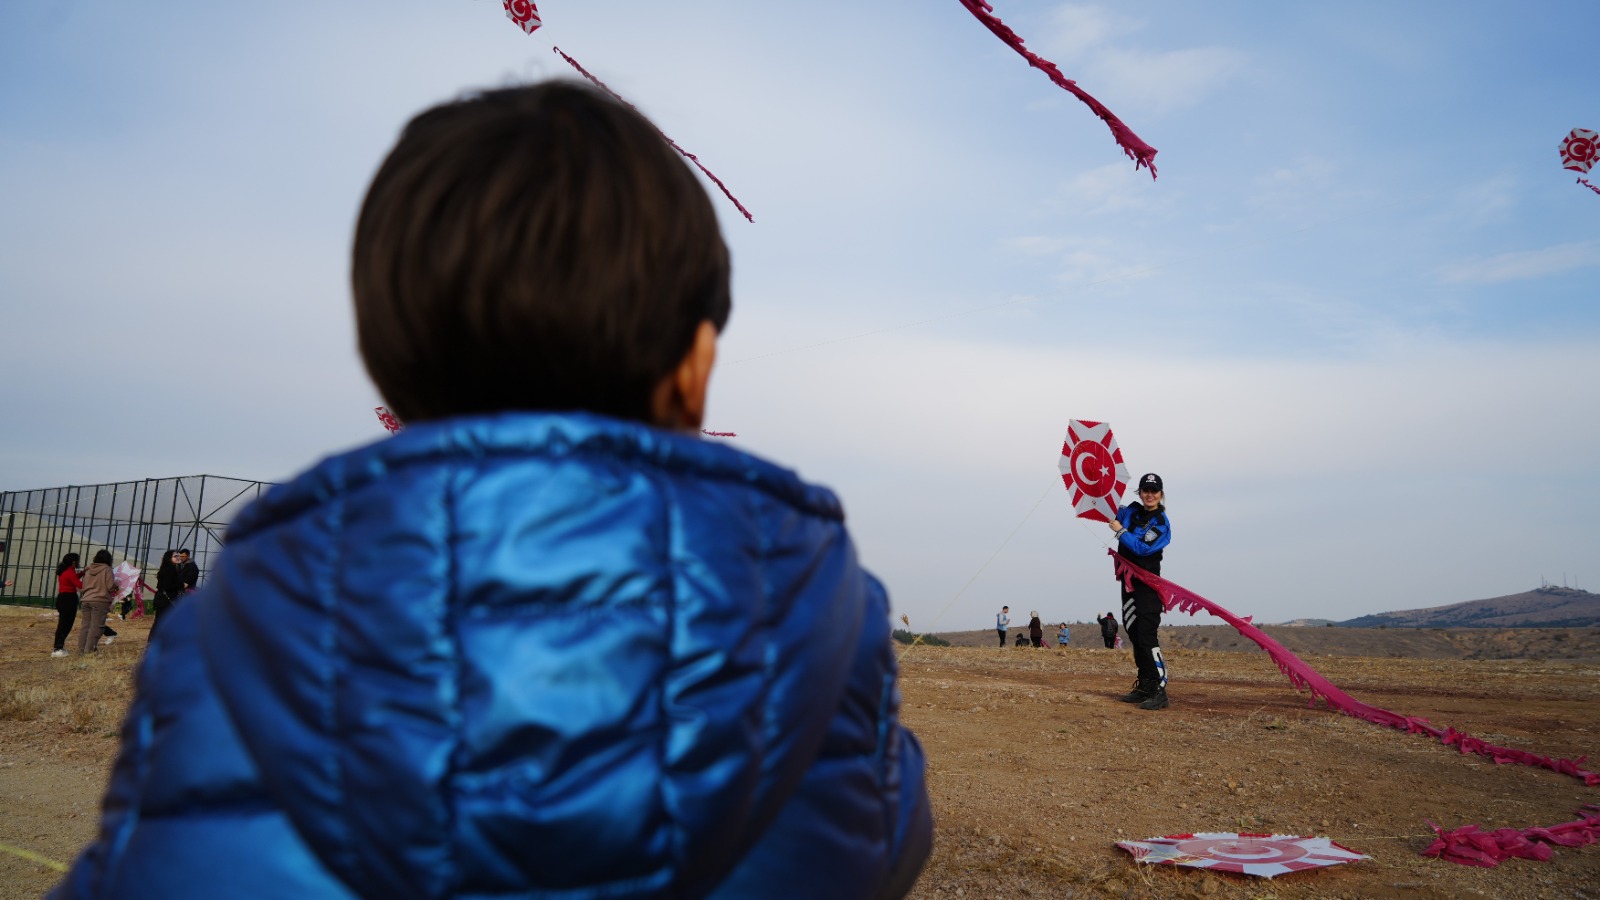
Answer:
(1151, 499)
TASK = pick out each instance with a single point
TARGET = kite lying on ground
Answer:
(1262, 855)
(1174, 596)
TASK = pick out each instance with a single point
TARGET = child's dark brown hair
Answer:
(539, 247)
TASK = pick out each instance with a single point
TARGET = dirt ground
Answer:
(1036, 770)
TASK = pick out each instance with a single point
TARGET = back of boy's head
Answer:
(538, 247)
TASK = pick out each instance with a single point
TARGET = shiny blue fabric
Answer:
(522, 655)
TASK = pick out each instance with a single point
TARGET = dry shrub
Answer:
(24, 704)
(86, 694)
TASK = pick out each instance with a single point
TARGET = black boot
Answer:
(1141, 692)
(1156, 700)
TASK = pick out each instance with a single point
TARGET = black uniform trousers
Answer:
(1141, 616)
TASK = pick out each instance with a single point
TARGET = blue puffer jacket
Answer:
(522, 655)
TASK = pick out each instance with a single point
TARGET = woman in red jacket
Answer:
(67, 586)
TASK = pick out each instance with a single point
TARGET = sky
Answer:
(1354, 323)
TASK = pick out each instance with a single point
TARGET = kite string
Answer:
(686, 154)
(941, 614)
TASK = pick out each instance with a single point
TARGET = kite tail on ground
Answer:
(686, 154)
(1306, 678)
(1141, 153)
(1470, 846)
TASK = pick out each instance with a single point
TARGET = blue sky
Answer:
(1353, 323)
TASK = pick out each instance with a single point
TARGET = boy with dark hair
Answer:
(545, 641)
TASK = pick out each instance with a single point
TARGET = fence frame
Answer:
(136, 520)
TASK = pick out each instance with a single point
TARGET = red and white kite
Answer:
(524, 14)
(1580, 150)
(1263, 855)
(388, 419)
(1092, 469)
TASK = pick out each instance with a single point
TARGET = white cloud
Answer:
(1114, 188)
(1296, 187)
(1164, 82)
(1524, 265)
(1486, 201)
(1078, 30)
(1090, 43)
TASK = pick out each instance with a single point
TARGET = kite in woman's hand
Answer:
(1092, 469)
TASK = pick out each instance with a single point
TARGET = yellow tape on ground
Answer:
(33, 857)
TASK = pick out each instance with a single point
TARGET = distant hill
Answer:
(1309, 623)
(1547, 607)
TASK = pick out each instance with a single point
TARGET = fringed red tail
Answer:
(1141, 153)
(1466, 845)
(1471, 846)
(686, 154)
(1585, 183)
(1306, 678)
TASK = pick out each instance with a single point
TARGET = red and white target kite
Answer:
(524, 14)
(1263, 855)
(1580, 150)
(1092, 469)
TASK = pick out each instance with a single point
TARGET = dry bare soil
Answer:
(1036, 770)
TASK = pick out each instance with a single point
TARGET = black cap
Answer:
(1150, 482)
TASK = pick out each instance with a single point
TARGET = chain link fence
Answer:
(137, 521)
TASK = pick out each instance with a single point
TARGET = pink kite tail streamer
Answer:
(1141, 153)
(1585, 183)
(1470, 846)
(1302, 676)
(719, 433)
(388, 419)
(686, 154)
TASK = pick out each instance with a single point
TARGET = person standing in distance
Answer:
(1143, 532)
(68, 584)
(1002, 622)
(1108, 629)
(188, 574)
(98, 584)
(167, 587)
